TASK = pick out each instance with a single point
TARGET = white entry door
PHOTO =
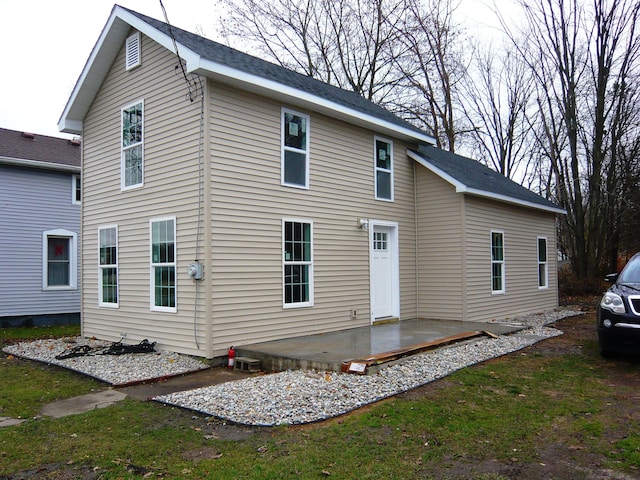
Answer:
(383, 266)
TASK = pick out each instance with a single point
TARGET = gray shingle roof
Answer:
(478, 178)
(38, 148)
(219, 53)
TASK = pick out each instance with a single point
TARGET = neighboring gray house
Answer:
(39, 229)
(243, 202)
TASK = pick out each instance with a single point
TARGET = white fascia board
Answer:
(297, 97)
(24, 162)
(462, 188)
(156, 35)
(93, 73)
(100, 61)
(506, 199)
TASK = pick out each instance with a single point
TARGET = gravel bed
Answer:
(291, 397)
(297, 397)
(114, 369)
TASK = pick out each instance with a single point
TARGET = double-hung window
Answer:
(497, 262)
(108, 266)
(132, 156)
(543, 269)
(297, 263)
(59, 260)
(384, 169)
(295, 149)
(163, 264)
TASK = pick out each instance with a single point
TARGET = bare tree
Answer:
(497, 98)
(349, 43)
(582, 58)
(432, 70)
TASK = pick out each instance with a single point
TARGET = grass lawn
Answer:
(555, 410)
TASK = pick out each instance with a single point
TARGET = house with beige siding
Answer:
(229, 201)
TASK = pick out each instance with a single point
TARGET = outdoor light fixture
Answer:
(363, 223)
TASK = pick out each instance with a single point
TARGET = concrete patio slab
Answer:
(328, 351)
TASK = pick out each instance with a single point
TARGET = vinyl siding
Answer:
(171, 175)
(440, 255)
(521, 229)
(33, 201)
(248, 204)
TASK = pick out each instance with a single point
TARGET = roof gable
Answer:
(225, 64)
(27, 149)
(471, 177)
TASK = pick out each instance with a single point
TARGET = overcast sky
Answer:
(45, 44)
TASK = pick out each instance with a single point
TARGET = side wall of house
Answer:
(521, 228)
(441, 253)
(248, 205)
(171, 189)
(33, 201)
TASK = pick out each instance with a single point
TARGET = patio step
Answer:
(246, 364)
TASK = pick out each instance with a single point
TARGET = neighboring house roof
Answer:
(471, 177)
(227, 65)
(40, 151)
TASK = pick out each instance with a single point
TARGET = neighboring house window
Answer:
(497, 262)
(108, 265)
(132, 163)
(297, 263)
(132, 54)
(543, 269)
(163, 264)
(295, 149)
(59, 260)
(384, 169)
(76, 190)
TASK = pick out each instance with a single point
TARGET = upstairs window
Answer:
(132, 162)
(132, 51)
(295, 149)
(108, 266)
(59, 260)
(497, 262)
(384, 169)
(298, 264)
(543, 269)
(163, 265)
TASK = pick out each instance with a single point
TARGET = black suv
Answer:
(619, 311)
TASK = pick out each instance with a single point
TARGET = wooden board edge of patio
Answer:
(361, 365)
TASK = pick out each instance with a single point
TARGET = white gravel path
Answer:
(114, 369)
(291, 397)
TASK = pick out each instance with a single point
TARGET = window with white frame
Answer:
(132, 133)
(108, 266)
(295, 149)
(384, 169)
(297, 263)
(76, 189)
(59, 260)
(163, 264)
(497, 262)
(543, 268)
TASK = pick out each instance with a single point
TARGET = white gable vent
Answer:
(132, 59)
